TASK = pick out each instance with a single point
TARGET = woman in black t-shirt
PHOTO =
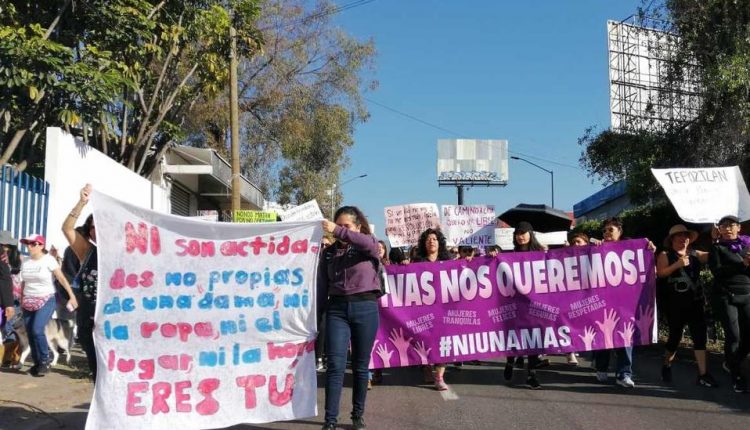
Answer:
(678, 269)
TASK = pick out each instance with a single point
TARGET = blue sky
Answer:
(534, 73)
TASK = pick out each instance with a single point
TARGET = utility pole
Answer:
(234, 121)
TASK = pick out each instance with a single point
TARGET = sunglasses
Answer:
(30, 244)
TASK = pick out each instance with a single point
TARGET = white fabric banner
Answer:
(202, 325)
(305, 212)
(706, 195)
(469, 225)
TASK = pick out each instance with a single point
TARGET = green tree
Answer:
(714, 38)
(299, 102)
(126, 71)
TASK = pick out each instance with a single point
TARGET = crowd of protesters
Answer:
(351, 279)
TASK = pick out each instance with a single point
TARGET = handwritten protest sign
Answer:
(504, 238)
(207, 215)
(469, 225)
(552, 238)
(202, 326)
(253, 216)
(404, 224)
(706, 195)
(305, 212)
(564, 300)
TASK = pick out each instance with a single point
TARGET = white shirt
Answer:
(37, 276)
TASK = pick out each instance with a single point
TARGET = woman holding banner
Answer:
(432, 247)
(525, 240)
(612, 232)
(82, 241)
(729, 260)
(678, 269)
(348, 278)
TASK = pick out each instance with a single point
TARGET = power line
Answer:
(462, 135)
(332, 11)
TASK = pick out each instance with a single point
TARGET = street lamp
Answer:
(333, 192)
(551, 175)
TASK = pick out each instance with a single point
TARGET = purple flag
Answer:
(563, 300)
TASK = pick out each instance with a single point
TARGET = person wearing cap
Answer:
(38, 298)
(678, 268)
(729, 261)
(525, 240)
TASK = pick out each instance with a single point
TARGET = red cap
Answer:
(34, 238)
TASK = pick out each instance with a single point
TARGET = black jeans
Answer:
(531, 362)
(85, 321)
(356, 322)
(733, 311)
(686, 309)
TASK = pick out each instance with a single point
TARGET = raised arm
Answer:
(78, 243)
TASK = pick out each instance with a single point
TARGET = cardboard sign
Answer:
(198, 327)
(504, 238)
(706, 195)
(253, 216)
(305, 212)
(469, 225)
(404, 223)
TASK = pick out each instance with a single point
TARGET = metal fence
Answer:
(24, 202)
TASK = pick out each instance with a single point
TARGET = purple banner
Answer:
(563, 300)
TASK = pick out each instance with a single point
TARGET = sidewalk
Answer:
(59, 400)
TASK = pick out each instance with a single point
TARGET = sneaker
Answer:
(740, 385)
(602, 376)
(429, 377)
(532, 382)
(706, 381)
(358, 423)
(34, 370)
(329, 426)
(542, 363)
(626, 382)
(572, 360)
(666, 373)
(320, 367)
(508, 372)
(440, 385)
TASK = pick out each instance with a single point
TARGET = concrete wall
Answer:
(70, 164)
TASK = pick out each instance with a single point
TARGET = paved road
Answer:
(570, 399)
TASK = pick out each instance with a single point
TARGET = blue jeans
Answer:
(35, 322)
(624, 361)
(356, 322)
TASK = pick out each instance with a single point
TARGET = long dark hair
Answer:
(443, 253)
(384, 259)
(533, 245)
(359, 218)
(14, 258)
(85, 229)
